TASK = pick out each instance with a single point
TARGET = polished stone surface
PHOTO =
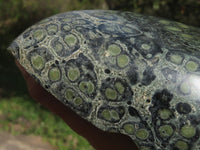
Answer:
(123, 72)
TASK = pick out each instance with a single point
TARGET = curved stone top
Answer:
(123, 72)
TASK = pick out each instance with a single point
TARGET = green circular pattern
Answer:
(70, 94)
(114, 49)
(70, 40)
(129, 128)
(78, 101)
(114, 115)
(120, 88)
(145, 46)
(181, 145)
(39, 34)
(188, 131)
(58, 47)
(165, 131)
(142, 134)
(87, 87)
(185, 87)
(191, 66)
(164, 113)
(110, 114)
(72, 97)
(38, 62)
(111, 94)
(73, 74)
(106, 114)
(66, 28)
(54, 74)
(176, 59)
(122, 60)
(52, 29)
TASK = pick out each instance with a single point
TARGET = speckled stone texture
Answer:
(123, 72)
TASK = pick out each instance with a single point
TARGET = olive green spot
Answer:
(70, 40)
(37, 62)
(78, 101)
(73, 74)
(188, 131)
(142, 134)
(114, 49)
(181, 145)
(191, 66)
(122, 61)
(86, 86)
(54, 74)
(120, 88)
(165, 130)
(111, 94)
(66, 28)
(106, 114)
(69, 94)
(164, 113)
(114, 115)
(52, 29)
(176, 59)
(129, 128)
(171, 28)
(185, 88)
(83, 86)
(58, 47)
(146, 46)
(38, 34)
